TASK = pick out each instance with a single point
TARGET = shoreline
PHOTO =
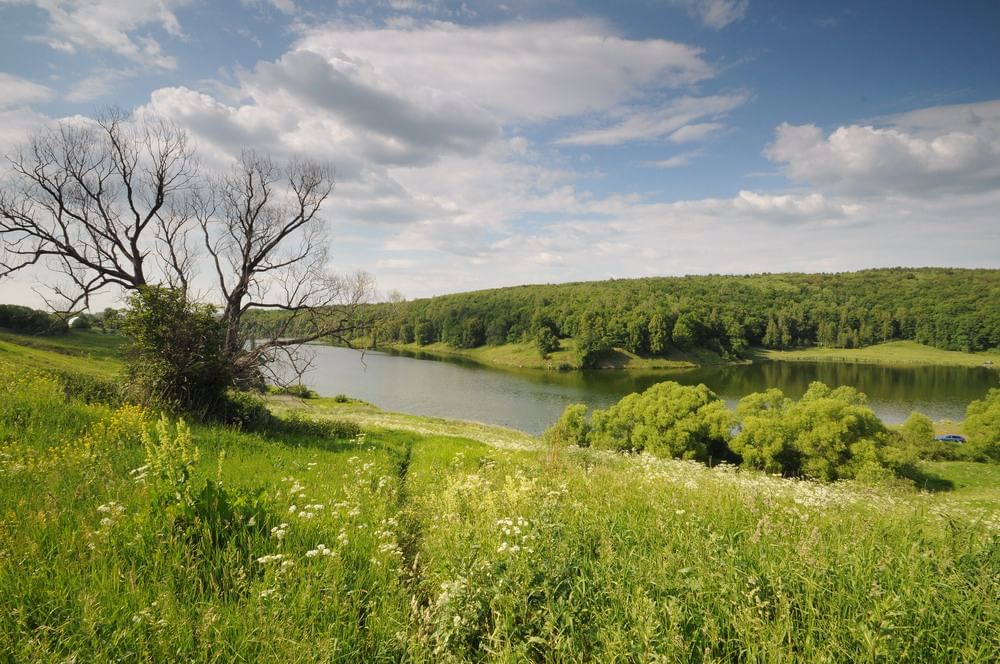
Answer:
(518, 357)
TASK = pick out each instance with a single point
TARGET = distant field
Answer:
(526, 356)
(892, 353)
(85, 352)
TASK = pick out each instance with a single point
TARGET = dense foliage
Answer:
(982, 424)
(30, 321)
(174, 357)
(947, 308)
(828, 434)
(668, 420)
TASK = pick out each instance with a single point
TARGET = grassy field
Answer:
(892, 353)
(86, 352)
(526, 356)
(417, 539)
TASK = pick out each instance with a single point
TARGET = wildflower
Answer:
(263, 560)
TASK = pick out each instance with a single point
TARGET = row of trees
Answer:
(947, 308)
(26, 320)
(121, 204)
(827, 434)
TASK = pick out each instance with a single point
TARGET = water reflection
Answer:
(531, 400)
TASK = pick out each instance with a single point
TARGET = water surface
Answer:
(531, 400)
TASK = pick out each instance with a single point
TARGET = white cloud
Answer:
(922, 153)
(696, 132)
(521, 71)
(715, 14)
(16, 91)
(109, 25)
(678, 160)
(98, 84)
(674, 118)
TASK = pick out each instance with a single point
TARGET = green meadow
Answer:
(341, 533)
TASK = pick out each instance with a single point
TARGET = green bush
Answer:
(982, 426)
(174, 357)
(669, 420)
(571, 428)
(828, 434)
(245, 409)
(300, 391)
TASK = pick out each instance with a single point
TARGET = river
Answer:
(530, 400)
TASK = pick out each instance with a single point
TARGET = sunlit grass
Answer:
(431, 540)
(891, 353)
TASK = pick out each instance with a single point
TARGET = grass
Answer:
(525, 356)
(892, 353)
(86, 352)
(428, 540)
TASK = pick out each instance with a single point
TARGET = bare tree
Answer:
(122, 204)
(92, 201)
(268, 248)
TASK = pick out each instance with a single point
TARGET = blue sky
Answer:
(483, 144)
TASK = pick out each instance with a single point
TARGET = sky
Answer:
(487, 144)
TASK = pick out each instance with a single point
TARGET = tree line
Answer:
(827, 434)
(953, 309)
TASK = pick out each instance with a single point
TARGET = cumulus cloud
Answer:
(417, 118)
(16, 91)
(522, 71)
(110, 25)
(674, 118)
(923, 152)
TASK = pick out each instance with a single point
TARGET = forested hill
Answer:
(954, 309)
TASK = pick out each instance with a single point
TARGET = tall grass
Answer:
(314, 544)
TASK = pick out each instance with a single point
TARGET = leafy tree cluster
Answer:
(25, 320)
(827, 434)
(947, 308)
(982, 425)
(175, 355)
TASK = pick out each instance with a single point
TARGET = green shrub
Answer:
(341, 398)
(300, 391)
(174, 358)
(669, 420)
(245, 409)
(571, 428)
(982, 426)
(828, 434)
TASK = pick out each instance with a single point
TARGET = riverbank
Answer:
(368, 416)
(893, 353)
(526, 356)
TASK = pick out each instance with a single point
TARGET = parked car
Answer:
(950, 438)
